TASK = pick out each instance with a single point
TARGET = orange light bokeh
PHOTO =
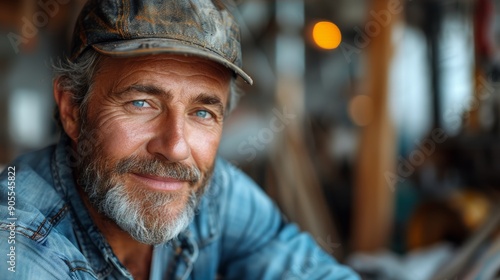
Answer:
(327, 35)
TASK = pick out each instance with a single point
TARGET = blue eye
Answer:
(203, 114)
(140, 103)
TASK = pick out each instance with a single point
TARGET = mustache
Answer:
(157, 167)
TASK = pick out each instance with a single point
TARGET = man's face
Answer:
(157, 122)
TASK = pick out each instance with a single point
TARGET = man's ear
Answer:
(68, 111)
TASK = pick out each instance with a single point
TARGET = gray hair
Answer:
(78, 77)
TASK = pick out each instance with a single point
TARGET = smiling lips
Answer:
(160, 183)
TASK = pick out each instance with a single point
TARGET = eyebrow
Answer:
(209, 99)
(149, 89)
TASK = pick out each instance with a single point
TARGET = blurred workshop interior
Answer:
(373, 124)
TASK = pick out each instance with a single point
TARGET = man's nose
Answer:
(170, 141)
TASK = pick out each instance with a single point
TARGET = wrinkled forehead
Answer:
(120, 66)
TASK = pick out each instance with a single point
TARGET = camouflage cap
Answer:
(204, 28)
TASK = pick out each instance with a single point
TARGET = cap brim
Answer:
(136, 47)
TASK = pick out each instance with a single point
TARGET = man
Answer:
(133, 189)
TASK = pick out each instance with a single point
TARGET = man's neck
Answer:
(135, 256)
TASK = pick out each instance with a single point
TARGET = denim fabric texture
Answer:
(237, 233)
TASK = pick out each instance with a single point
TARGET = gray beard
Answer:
(131, 215)
(142, 213)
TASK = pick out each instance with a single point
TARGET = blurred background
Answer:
(373, 124)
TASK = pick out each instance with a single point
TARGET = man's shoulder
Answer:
(227, 176)
(29, 168)
(27, 187)
(233, 194)
(29, 221)
(53, 257)
(231, 183)
(228, 184)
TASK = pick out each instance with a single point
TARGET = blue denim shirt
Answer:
(238, 233)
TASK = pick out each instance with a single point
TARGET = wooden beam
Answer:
(373, 196)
